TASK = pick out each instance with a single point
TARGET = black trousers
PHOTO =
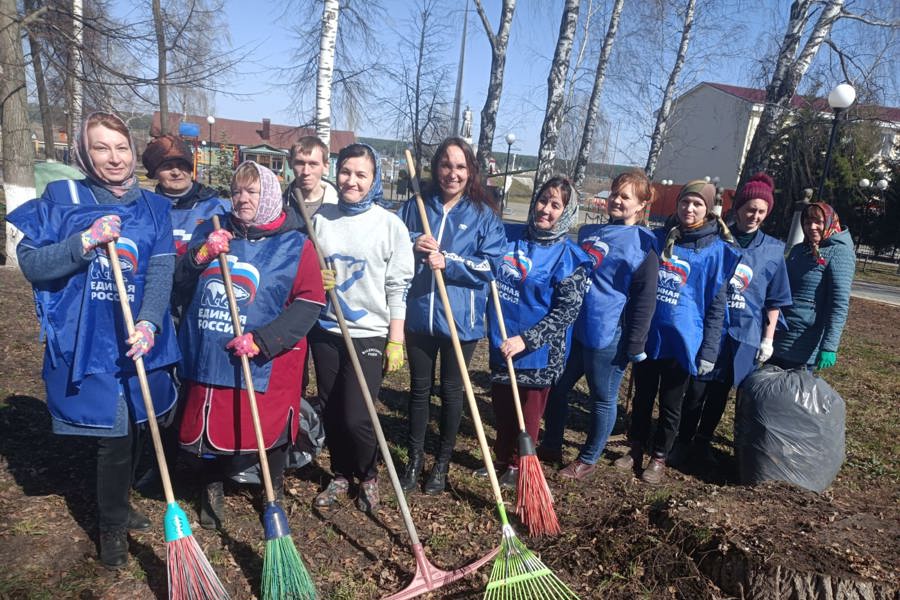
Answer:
(223, 467)
(117, 459)
(667, 378)
(349, 433)
(422, 351)
(704, 405)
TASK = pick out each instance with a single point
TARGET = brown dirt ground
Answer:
(621, 538)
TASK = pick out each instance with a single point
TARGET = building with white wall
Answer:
(712, 124)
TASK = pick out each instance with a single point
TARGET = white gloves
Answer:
(705, 368)
(765, 350)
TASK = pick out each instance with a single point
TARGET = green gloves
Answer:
(825, 359)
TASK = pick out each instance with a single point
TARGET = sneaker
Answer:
(367, 500)
(577, 470)
(655, 471)
(137, 521)
(338, 487)
(114, 547)
(510, 477)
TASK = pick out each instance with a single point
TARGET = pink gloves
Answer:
(215, 244)
(141, 340)
(103, 230)
(243, 345)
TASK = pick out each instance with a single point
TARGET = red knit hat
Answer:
(757, 187)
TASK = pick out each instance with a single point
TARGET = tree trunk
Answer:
(590, 121)
(555, 90)
(37, 65)
(18, 153)
(789, 71)
(76, 75)
(162, 68)
(327, 43)
(662, 117)
(499, 43)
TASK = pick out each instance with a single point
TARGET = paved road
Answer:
(879, 292)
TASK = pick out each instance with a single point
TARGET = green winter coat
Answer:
(821, 294)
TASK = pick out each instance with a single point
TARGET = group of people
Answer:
(693, 306)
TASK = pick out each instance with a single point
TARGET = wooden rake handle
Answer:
(517, 401)
(454, 337)
(361, 379)
(248, 376)
(141, 373)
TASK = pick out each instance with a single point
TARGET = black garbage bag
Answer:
(310, 441)
(789, 426)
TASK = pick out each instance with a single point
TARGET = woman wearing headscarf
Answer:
(696, 262)
(541, 284)
(91, 382)
(820, 270)
(371, 260)
(756, 293)
(612, 327)
(468, 248)
(278, 288)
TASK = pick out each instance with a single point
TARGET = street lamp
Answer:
(510, 140)
(210, 119)
(864, 184)
(841, 97)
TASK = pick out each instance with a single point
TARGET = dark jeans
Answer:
(349, 433)
(669, 379)
(604, 369)
(422, 352)
(533, 400)
(117, 459)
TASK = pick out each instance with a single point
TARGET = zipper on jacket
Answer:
(207, 408)
(433, 279)
(472, 309)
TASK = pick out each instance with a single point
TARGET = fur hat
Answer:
(702, 189)
(757, 187)
(164, 148)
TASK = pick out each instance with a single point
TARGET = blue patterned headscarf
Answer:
(376, 192)
(566, 219)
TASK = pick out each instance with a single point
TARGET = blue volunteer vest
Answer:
(80, 315)
(748, 287)
(185, 221)
(616, 251)
(263, 273)
(687, 285)
(526, 281)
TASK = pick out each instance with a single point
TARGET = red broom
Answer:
(191, 577)
(534, 503)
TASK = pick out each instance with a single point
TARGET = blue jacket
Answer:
(473, 243)
(821, 294)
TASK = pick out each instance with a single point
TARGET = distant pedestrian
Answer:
(468, 249)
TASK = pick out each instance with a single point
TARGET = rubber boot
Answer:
(437, 479)
(410, 477)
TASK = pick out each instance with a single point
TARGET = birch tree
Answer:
(657, 139)
(555, 92)
(35, 48)
(327, 44)
(499, 41)
(790, 67)
(593, 110)
(18, 155)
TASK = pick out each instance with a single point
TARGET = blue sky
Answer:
(726, 47)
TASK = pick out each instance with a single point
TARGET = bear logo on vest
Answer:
(101, 280)
(740, 281)
(673, 274)
(214, 313)
(516, 265)
(596, 249)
